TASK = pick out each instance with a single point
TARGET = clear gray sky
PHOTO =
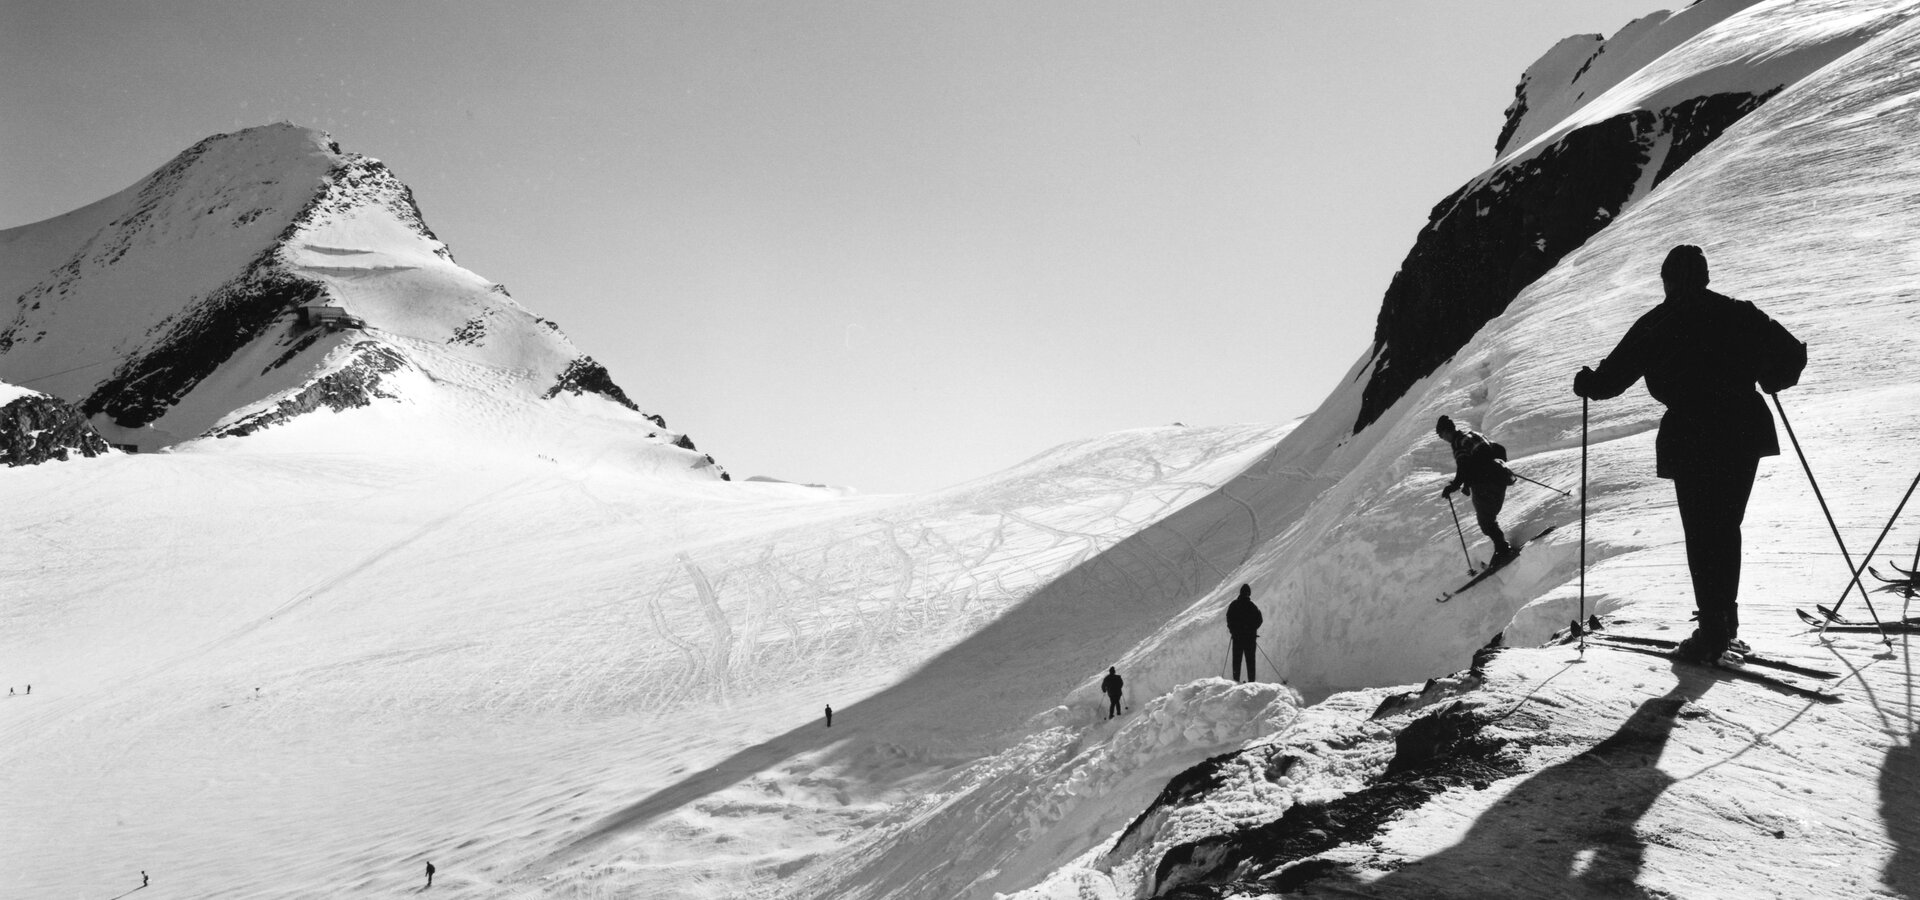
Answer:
(888, 245)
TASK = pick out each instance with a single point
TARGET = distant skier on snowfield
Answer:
(429, 875)
(1480, 473)
(1702, 353)
(1243, 625)
(1112, 685)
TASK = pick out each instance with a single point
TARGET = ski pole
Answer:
(1583, 523)
(1541, 483)
(1461, 532)
(1867, 560)
(1823, 509)
(1275, 667)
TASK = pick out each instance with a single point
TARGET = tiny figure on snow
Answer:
(143, 878)
(1112, 685)
(1481, 473)
(1243, 625)
(1702, 354)
(829, 715)
(429, 875)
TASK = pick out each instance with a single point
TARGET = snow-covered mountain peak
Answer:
(264, 275)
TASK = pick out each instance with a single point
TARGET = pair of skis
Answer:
(1788, 678)
(1831, 620)
(1494, 565)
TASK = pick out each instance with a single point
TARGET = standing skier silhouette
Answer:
(1702, 353)
(1112, 685)
(1480, 473)
(1243, 627)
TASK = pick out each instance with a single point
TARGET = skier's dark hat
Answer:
(1686, 265)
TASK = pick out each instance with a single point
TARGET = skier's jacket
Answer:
(1702, 353)
(1243, 617)
(1111, 684)
(1479, 460)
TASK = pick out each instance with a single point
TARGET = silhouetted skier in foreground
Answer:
(1112, 685)
(429, 876)
(1243, 624)
(829, 715)
(1481, 473)
(1702, 353)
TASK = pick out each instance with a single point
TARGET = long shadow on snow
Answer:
(1899, 782)
(1019, 665)
(1568, 831)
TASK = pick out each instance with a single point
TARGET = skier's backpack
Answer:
(1497, 450)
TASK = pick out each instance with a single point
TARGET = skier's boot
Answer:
(1697, 649)
(1503, 551)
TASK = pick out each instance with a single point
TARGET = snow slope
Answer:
(356, 658)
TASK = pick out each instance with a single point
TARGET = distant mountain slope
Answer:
(265, 275)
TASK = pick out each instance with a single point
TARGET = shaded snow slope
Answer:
(174, 309)
(291, 666)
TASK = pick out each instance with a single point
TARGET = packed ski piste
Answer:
(405, 595)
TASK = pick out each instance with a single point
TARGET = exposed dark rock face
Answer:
(1444, 749)
(1491, 239)
(354, 385)
(583, 375)
(1187, 787)
(144, 387)
(361, 182)
(37, 428)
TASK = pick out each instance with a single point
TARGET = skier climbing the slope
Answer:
(1243, 625)
(1481, 473)
(1112, 685)
(1702, 353)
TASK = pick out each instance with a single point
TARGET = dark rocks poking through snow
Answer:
(583, 375)
(355, 385)
(37, 428)
(1443, 750)
(144, 387)
(1491, 239)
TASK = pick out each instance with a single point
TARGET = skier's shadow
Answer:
(132, 892)
(1568, 831)
(1899, 781)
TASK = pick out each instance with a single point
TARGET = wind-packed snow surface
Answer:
(307, 661)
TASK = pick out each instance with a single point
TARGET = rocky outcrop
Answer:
(196, 345)
(37, 428)
(1446, 749)
(354, 385)
(583, 375)
(1491, 239)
